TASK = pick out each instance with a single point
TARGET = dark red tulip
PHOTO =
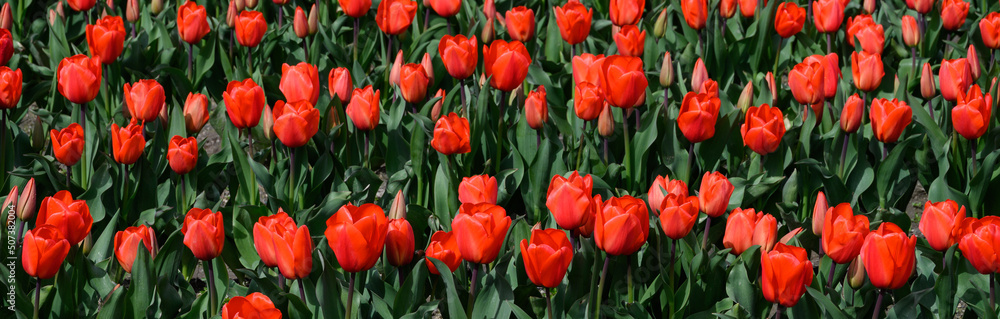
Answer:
(6, 46)
(43, 252)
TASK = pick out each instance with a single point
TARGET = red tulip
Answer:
(806, 81)
(922, 6)
(955, 77)
(678, 215)
(244, 103)
(747, 227)
(145, 98)
(708, 87)
(340, 84)
(79, 5)
(763, 129)
(971, 116)
(357, 236)
(831, 73)
(624, 82)
(364, 108)
(630, 41)
(911, 33)
(520, 23)
(866, 69)
(295, 123)
(938, 222)
(536, 109)
(850, 116)
(355, 8)
(127, 142)
(695, 13)
(300, 82)
(443, 247)
(106, 39)
(843, 233)
(459, 55)
(195, 112)
(43, 252)
(699, 75)
(506, 64)
(587, 68)
(785, 273)
(395, 16)
(727, 8)
(989, 29)
(451, 135)
(399, 242)
(255, 305)
(714, 194)
(828, 15)
(250, 28)
(413, 82)
(204, 233)
(953, 13)
(569, 199)
(182, 154)
(926, 81)
(478, 189)
(980, 247)
(480, 230)
(127, 243)
(621, 226)
(889, 118)
(6, 45)
(587, 101)
(789, 18)
(67, 144)
(574, 21)
(192, 22)
(663, 186)
(819, 213)
(300, 24)
(281, 244)
(445, 8)
(889, 256)
(697, 116)
(748, 7)
(547, 257)
(868, 33)
(79, 78)
(626, 12)
(10, 87)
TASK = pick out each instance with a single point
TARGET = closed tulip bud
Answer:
(231, 14)
(922, 6)
(806, 81)
(428, 67)
(856, 274)
(763, 129)
(250, 4)
(399, 242)
(667, 70)
(127, 244)
(727, 8)
(87, 244)
(38, 141)
(819, 213)
(660, 26)
(195, 112)
(436, 109)
(788, 19)
(785, 273)
(606, 122)
(70, 217)
(867, 71)
(255, 305)
(953, 14)
(889, 118)
(868, 6)
(313, 20)
(6, 18)
(973, 58)
(747, 227)
(132, 11)
(267, 122)
(487, 33)
(163, 117)
(127, 142)
(478, 189)
(43, 252)
(621, 226)
(394, 71)
(413, 82)
(300, 23)
(769, 79)
(53, 16)
(10, 202)
(332, 121)
(746, 97)
(480, 230)
(156, 6)
(238, 4)
(699, 75)
(250, 28)
(927, 82)
(911, 33)
(398, 208)
(889, 256)
(459, 55)
(26, 203)
(569, 199)
(444, 247)
(851, 115)
(182, 154)
(547, 256)
(451, 136)
(536, 110)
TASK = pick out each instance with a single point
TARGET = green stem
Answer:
(628, 150)
(631, 297)
(548, 301)
(350, 290)
(600, 287)
(38, 296)
(472, 289)
(212, 294)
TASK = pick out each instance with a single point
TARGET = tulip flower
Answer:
(295, 123)
(831, 73)
(699, 75)
(678, 215)
(300, 23)
(81, 5)
(480, 230)
(444, 247)
(341, 85)
(828, 15)
(79, 78)
(971, 115)
(106, 39)
(255, 305)
(506, 64)
(192, 22)
(763, 129)
(889, 118)
(300, 83)
(244, 103)
(520, 22)
(621, 225)
(747, 8)
(850, 118)
(630, 41)
(921, 6)
(6, 46)
(195, 112)
(204, 233)
(399, 242)
(413, 81)
(974, 66)
(871, 36)
(357, 236)
(587, 68)
(451, 135)
(697, 117)
(626, 12)
(788, 19)
(569, 199)
(747, 227)
(889, 256)
(127, 142)
(281, 244)
(624, 82)
(667, 71)
(364, 108)
(938, 222)
(43, 252)
(980, 247)
(547, 256)
(459, 55)
(953, 13)
(714, 194)
(727, 8)
(785, 273)
(127, 243)
(436, 109)
(445, 8)
(911, 33)
(145, 99)
(587, 101)
(955, 77)
(355, 8)
(395, 16)
(250, 28)
(843, 233)
(663, 186)
(182, 154)
(695, 13)
(819, 213)
(67, 144)
(478, 189)
(989, 29)
(574, 21)
(866, 69)
(806, 81)
(10, 87)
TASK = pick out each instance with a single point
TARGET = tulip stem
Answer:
(368, 150)
(829, 43)
(427, 18)
(993, 291)
(843, 155)
(69, 180)
(600, 287)
(972, 150)
(878, 303)
(704, 238)
(20, 233)
(281, 281)
(302, 290)
(305, 48)
(829, 279)
(191, 63)
(777, 312)
(357, 25)
(472, 289)
(182, 201)
(213, 300)
(291, 178)
(281, 16)
(461, 93)
(350, 285)
(628, 149)
(548, 301)
(631, 297)
(690, 162)
(38, 296)
(605, 151)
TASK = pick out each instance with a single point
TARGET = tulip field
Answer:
(499, 159)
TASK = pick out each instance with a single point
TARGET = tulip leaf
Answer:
(455, 308)
(141, 287)
(830, 309)
(411, 290)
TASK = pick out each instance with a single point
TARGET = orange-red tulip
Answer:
(955, 77)
(621, 225)
(444, 247)
(624, 82)
(938, 222)
(281, 244)
(355, 8)
(536, 110)
(569, 199)
(357, 236)
(889, 118)
(341, 85)
(79, 78)
(295, 122)
(106, 39)
(714, 194)
(630, 41)
(574, 21)
(697, 116)
(127, 244)
(67, 144)
(831, 73)
(144, 99)
(413, 82)
(478, 189)
(789, 18)
(587, 68)
(459, 55)
(244, 103)
(889, 256)
(204, 233)
(953, 13)
(300, 82)
(480, 230)
(395, 16)
(843, 233)
(695, 13)
(10, 87)
(80, 5)
(851, 115)
(922, 6)
(748, 7)
(195, 112)
(520, 22)
(43, 252)
(989, 29)
(727, 8)
(678, 215)
(971, 116)
(866, 69)
(806, 81)
(747, 227)
(364, 108)
(182, 154)
(547, 256)
(250, 28)
(255, 305)
(445, 8)
(6, 46)
(763, 129)
(192, 22)
(300, 23)
(399, 242)
(626, 12)
(785, 273)
(911, 33)
(699, 75)
(127, 142)
(980, 247)
(663, 186)
(819, 213)
(828, 15)
(863, 29)
(927, 81)
(588, 101)
(451, 135)
(506, 64)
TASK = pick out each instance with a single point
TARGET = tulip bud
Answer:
(163, 115)
(487, 35)
(927, 82)
(38, 135)
(231, 14)
(332, 121)
(746, 98)
(436, 110)
(240, 5)
(667, 70)
(660, 27)
(606, 122)
(819, 213)
(973, 58)
(790, 235)
(993, 87)
(87, 244)
(394, 72)
(428, 68)
(869, 6)
(313, 20)
(895, 84)
(53, 16)
(427, 3)
(132, 11)
(398, 209)
(9, 203)
(911, 33)
(26, 204)
(250, 4)
(6, 18)
(769, 78)
(537, 226)
(299, 23)
(267, 122)
(482, 79)
(156, 6)
(490, 10)
(110, 6)
(856, 273)
(699, 75)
